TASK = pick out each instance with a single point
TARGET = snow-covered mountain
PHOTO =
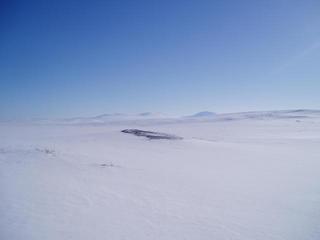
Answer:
(107, 118)
(205, 116)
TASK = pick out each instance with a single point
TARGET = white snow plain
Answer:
(244, 176)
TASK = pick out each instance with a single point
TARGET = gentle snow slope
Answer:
(247, 179)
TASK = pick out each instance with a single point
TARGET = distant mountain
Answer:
(277, 114)
(203, 114)
(151, 115)
(145, 114)
(112, 115)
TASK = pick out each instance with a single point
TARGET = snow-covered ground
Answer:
(244, 176)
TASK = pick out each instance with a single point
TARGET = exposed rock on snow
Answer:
(151, 135)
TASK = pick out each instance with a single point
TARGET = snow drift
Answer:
(236, 176)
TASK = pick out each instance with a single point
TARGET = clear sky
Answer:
(81, 58)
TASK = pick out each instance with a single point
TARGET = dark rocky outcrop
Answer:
(151, 135)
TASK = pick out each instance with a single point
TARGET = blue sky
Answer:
(82, 58)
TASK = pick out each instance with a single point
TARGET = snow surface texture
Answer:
(244, 176)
